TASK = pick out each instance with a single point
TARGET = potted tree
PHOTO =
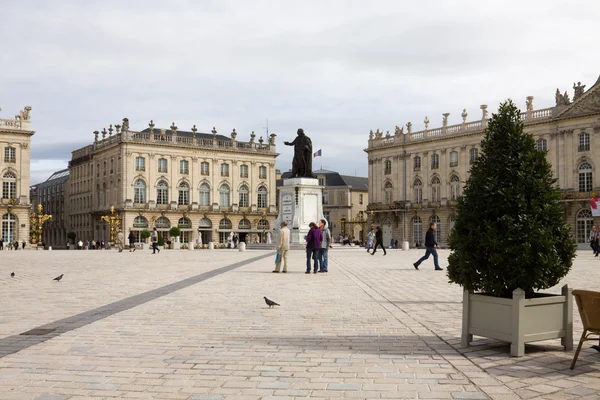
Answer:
(510, 240)
(145, 234)
(175, 232)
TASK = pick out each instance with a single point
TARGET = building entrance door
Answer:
(386, 227)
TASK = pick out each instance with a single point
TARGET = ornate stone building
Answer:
(202, 183)
(415, 177)
(15, 140)
(51, 195)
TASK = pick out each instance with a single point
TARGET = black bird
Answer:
(58, 278)
(12, 274)
(270, 303)
(597, 348)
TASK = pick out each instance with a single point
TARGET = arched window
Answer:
(542, 144)
(417, 163)
(184, 194)
(184, 167)
(388, 167)
(162, 223)
(205, 223)
(204, 168)
(204, 194)
(435, 161)
(225, 223)
(162, 165)
(388, 191)
(162, 193)
(244, 224)
(9, 226)
(583, 225)
(473, 153)
(454, 187)
(435, 189)
(140, 222)
(417, 230)
(139, 191)
(224, 195)
(262, 172)
(418, 191)
(9, 186)
(244, 193)
(263, 224)
(262, 197)
(437, 234)
(184, 223)
(453, 159)
(585, 177)
(584, 141)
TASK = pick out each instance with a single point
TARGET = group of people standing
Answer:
(595, 240)
(11, 245)
(318, 243)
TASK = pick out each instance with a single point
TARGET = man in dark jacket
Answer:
(378, 241)
(430, 248)
(313, 247)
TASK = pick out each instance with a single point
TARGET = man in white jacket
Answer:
(283, 247)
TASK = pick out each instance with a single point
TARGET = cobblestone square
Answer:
(194, 325)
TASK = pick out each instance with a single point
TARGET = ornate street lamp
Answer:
(37, 221)
(114, 221)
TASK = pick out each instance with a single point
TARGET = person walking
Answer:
(378, 241)
(313, 247)
(120, 241)
(283, 247)
(154, 240)
(593, 240)
(597, 241)
(131, 239)
(370, 239)
(325, 245)
(23, 245)
(430, 248)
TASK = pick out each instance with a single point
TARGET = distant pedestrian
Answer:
(16, 245)
(236, 240)
(80, 245)
(325, 245)
(1, 244)
(379, 241)
(23, 245)
(120, 241)
(370, 239)
(93, 245)
(283, 247)
(131, 239)
(430, 248)
(593, 240)
(154, 240)
(313, 247)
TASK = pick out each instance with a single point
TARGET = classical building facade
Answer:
(415, 177)
(345, 200)
(206, 184)
(15, 140)
(51, 195)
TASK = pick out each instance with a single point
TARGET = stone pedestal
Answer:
(405, 245)
(211, 246)
(191, 246)
(242, 246)
(300, 203)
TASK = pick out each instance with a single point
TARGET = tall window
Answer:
(224, 170)
(139, 191)
(417, 230)
(473, 153)
(204, 168)
(184, 167)
(454, 187)
(204, 194)
(435, 161)
(584, 141)
(417, 163)
(97, 170)
(262, 172)
(437, 234)
(360, 198)
(10, 155)
(262, 197)
(112, 166)
(585, 177)
(224, 195)
(162, 193)
(226, 225)
(243, 171)
(418, 191)
(105, 192)
(9, 225)
(162, 165)
(140, 164)
(321, 181)
(244, 193)
(325, 197)
(104, 169)
(9, 186)
(388, 167)
(184, 194)
(388, 191)
(435, 189)
(583, 225)
(453, 159)
(542, 144)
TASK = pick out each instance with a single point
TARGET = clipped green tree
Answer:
(510, 230)
(175, 231)
(145, 234)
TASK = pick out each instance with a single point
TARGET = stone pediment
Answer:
(588, 103)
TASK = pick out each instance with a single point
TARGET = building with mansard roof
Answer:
(204, 183)
(415, 177)
(51, 195)
(15, 140)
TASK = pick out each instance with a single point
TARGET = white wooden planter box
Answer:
(518, 320)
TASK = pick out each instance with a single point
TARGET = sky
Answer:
(334, 68)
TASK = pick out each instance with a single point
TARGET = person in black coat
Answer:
(378, 241)
(430, 248)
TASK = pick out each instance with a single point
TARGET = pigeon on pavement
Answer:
(12, 274)
(597, 348)
(58, 278)
(270, 303)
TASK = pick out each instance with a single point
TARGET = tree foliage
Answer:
(510, 230)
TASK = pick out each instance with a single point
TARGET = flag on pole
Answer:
(317, 154)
